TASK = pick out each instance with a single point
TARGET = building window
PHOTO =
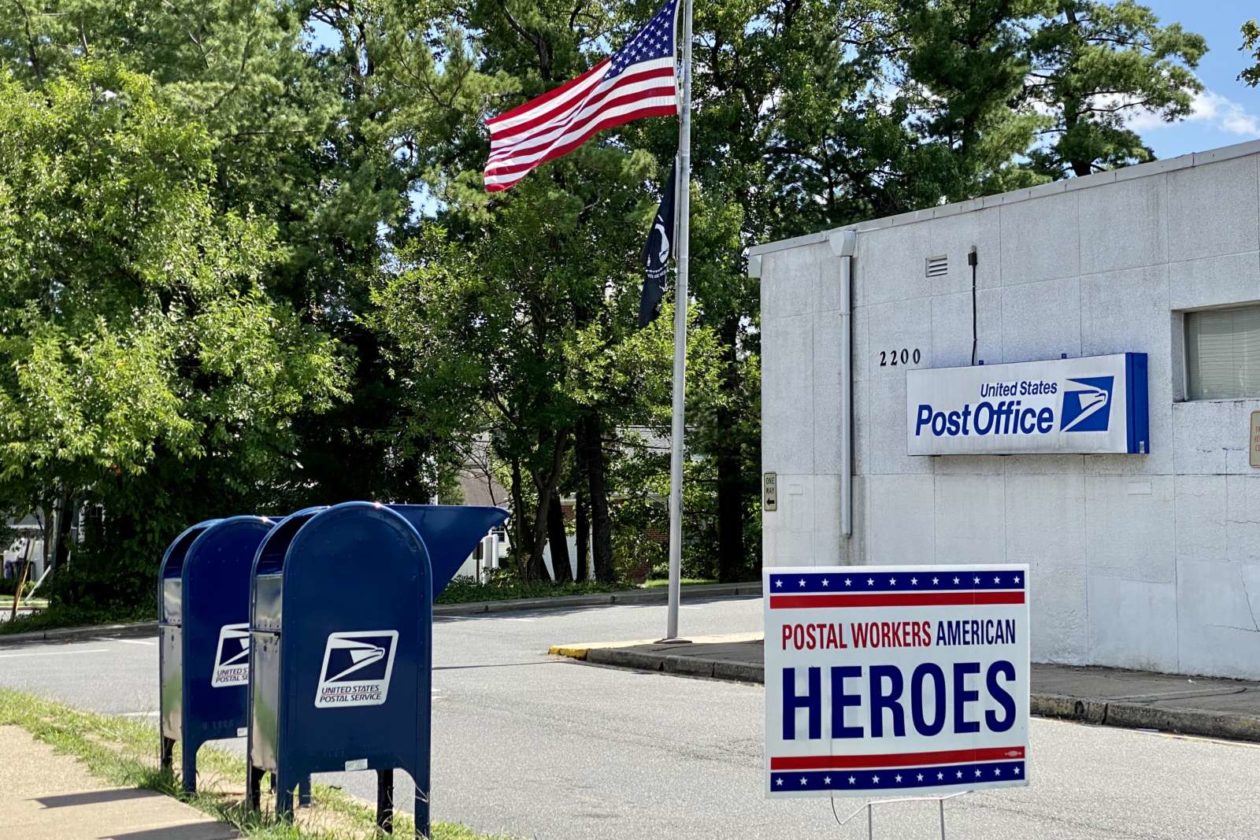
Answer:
(1223, 353)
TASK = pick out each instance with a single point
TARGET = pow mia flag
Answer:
(656, 254)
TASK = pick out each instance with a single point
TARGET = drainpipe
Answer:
(843, 243)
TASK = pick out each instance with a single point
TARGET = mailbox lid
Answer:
(450, 533)
(170, 598)
(268, 601)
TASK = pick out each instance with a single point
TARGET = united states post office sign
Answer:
(1096, 404)
(895, 680)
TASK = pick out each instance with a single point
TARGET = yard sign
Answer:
(885, 680)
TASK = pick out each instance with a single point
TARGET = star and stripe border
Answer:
(971, 776)
(862, 587)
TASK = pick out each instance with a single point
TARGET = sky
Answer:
(1227, 111)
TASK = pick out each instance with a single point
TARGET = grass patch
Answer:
(464, 590)
(6, 602)
(61, 615)
(123, 752)
(658, 583)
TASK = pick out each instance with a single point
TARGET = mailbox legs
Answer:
(284, 796)
(423, 788)
(304, 792)
(167, 757)
(189, 762)
(253, 787)
(385, 800)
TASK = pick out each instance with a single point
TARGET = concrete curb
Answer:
(560, 602)
(1095, 711)
(690, 666)
(71, 634)
(630, 596)
(1202, 722)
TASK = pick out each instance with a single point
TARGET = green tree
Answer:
(1094, 64)
(1251, 42)
(135, 332)
(964, 68)
(522, 329)
(551, 260)
(302, 135)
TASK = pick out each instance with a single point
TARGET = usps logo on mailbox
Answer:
(356, 670)
(231, 658)
(895, 679)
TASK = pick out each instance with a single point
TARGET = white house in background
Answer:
(28, 544)
(1147, 561)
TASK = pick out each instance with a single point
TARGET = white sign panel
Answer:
(887, 680)
(231, 657)
(1096, 404)
(356, 670)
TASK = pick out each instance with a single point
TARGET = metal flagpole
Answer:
(677, 430)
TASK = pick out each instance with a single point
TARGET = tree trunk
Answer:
(545, 483)
(730, 511)
(730, 483)
(582, 505)
(536, 568)
(520, 522)
(61, 531)
(558, 539)
(592, 434)
(583, 532)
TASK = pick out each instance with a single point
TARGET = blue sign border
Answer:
(1137, 408)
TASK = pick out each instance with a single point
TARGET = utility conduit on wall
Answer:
(843, 244)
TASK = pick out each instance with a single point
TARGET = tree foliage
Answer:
(1096, 63)
(1251, 42)
(248, 262)
(134, 326)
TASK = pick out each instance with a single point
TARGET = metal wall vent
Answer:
(937, 266)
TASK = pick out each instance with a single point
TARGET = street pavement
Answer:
(535, 746)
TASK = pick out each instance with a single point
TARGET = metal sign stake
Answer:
(869, 808)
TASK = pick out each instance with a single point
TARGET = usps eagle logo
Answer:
(231, 658)
(1088, 409)
(356, 670)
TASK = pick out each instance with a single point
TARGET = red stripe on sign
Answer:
(894, 599)
(860, 762)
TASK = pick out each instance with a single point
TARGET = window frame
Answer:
(1181, 345)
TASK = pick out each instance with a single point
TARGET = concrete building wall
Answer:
(1149, 562)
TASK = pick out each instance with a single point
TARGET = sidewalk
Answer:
(1215, 708)
(46, 796)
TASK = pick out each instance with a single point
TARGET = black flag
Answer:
(656, 254)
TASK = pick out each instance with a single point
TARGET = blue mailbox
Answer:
(203, 663)
(341, 631)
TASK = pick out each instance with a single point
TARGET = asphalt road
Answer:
(536, 747)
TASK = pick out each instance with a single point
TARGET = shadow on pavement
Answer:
(93, 797)
(197, 831)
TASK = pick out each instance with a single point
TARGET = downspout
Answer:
(843, 244)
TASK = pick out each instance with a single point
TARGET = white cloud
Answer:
(1224, 113)
(1207, 108)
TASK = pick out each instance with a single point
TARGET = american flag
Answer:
(637, 81)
